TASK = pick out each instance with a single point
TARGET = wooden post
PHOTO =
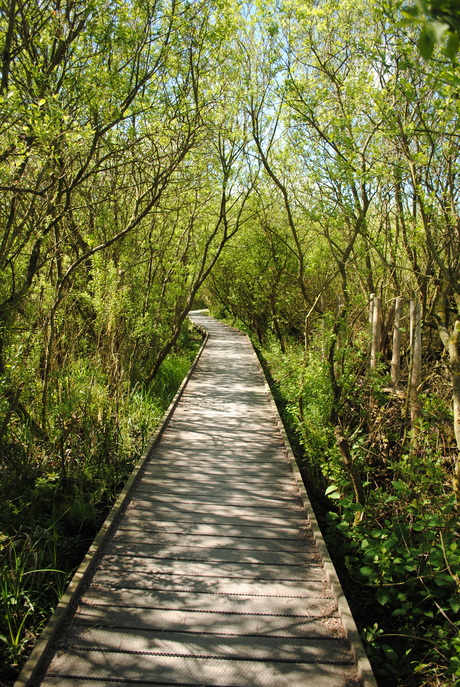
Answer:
(376, 331)
(416, 366)
(307, 334)
(411, 325)
(396, 354)
(371, 308)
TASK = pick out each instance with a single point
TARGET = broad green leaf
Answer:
(332, 492)
(425, 45)
(452, 46)
(382, 596)
(436, 30)
(455, 605)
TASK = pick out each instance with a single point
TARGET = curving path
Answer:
(213, 576)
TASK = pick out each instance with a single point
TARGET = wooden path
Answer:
(211, 574)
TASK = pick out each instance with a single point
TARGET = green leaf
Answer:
(418, 527)
(382, 596)
(410, 12)
(332, 492)
(453, 44)
(365, 571)
(425, 45)
(436, 30)
(455, 605)
(390, 652)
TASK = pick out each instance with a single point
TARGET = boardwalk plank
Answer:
(199, 670)
(196, 621)
(197, 541)
(205, 568)
(239, 529)
(217, 585)
(253, 647)
(222, 603)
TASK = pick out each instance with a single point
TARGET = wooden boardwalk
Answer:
(211, 575)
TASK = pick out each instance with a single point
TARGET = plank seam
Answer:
(213, 657)
(225, 577)
(332, 614)
(303, 637)
(243, 595)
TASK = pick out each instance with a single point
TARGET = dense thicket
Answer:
(296, 165)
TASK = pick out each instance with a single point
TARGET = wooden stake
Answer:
(396, 355)
(416, 367)
(376, 332)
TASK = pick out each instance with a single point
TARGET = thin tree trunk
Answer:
(386, 328)
(306, 335)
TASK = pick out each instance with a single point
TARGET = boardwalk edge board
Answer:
(364, 667)
(39, 652)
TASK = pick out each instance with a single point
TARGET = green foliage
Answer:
(30, 585)
(305, 393)
(299, 157)
(405, 558)
(437, 19)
